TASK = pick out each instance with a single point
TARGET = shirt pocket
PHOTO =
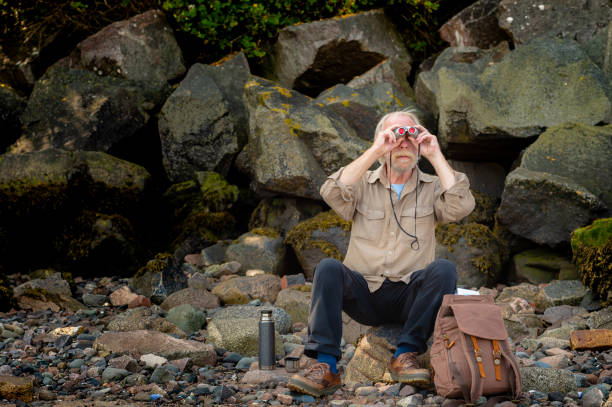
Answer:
(425, 221)
(368, 223)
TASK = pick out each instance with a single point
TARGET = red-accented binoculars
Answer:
(406, 130)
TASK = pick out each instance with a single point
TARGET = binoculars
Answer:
(406, 130)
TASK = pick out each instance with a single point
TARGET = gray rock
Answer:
(158, 343)
(203, 124)
(94, 300)
(236, 329)
(556, 315)
(283, 214)
(363, 107)
(124, 362)
(393, 70)
(475, 26)
(592, 397)
(199, 282)
(475, 251)
(600, 319)
(186, 317)
(525, 20)
(162, 375)
(526, 211)
(160, 277)
(74, 109)
(218, 270)
(53, 285)
(254, 251)
(112, 374)
(561, 292)
(296, 303)
(548, 380)
(242, 290)
(199, 298)
(312, 57)
(142, 318)
(141, 48)
(286, 127)
(216, 253)
(325, 235)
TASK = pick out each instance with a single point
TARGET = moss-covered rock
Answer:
(243, 290)
(592, 250)
(199, 212)
(542, 266)
(325, 235)
(47, 191)
(474, 249)
(258, 251)
(282, 214)
(484, 211)
(160, 277)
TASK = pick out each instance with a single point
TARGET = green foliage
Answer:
(231, 25)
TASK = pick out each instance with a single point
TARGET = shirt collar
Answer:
(380, 174)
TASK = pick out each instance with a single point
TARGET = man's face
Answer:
(404, 156)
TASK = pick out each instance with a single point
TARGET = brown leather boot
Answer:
(318, 380)
(406, 369)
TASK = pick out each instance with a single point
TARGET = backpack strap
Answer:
(497, 360)
(478, 356)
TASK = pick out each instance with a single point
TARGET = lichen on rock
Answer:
(592, 253)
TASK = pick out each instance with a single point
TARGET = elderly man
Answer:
(389, 274)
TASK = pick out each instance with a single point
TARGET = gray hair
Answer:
(410, 113)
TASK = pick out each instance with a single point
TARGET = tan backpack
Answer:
(470, 355)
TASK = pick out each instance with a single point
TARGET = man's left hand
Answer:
(430, 148)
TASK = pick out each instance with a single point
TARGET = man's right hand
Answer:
(385, 141)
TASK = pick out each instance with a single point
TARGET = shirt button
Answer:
(390, 252)
(392, 233)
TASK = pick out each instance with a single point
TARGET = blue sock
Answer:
(329, 359)
(403, 349)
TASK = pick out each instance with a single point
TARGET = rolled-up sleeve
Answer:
(339, 196)
(456, 202)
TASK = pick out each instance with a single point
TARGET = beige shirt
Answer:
(378, 249)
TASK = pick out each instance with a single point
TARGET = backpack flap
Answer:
(481, 320)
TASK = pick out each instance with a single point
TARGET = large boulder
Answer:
(312, 57)
(203, 124)
(11, 107)
(485, 177)
(548, 380)
(559, 83)
(394, 71)
(86, 209)
(287, 127)
(141, 48)
(242, 290)
(199, 212)
(474, 249)
(158, 343)
(475, 26)
(363, 107)
(237, 329)
(282, 214)
(585, 22)
(75, 109)
(263, 251)
(578, 178)
(592, 251)
(325, 235)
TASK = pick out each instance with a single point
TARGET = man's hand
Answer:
(385, 141)
(430, 148)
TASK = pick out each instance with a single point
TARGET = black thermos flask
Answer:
(267, 356)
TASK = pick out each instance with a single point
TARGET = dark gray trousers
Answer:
(415, 305)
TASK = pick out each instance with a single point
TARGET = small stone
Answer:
(46, 395)
(152, 361)
(254, 272)
(285, 398)
(69, 330)
(592, 397)
(365, 391)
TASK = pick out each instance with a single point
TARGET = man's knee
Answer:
(328, 270)
(444, 270)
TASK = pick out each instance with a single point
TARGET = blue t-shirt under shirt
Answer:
(398, 189)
